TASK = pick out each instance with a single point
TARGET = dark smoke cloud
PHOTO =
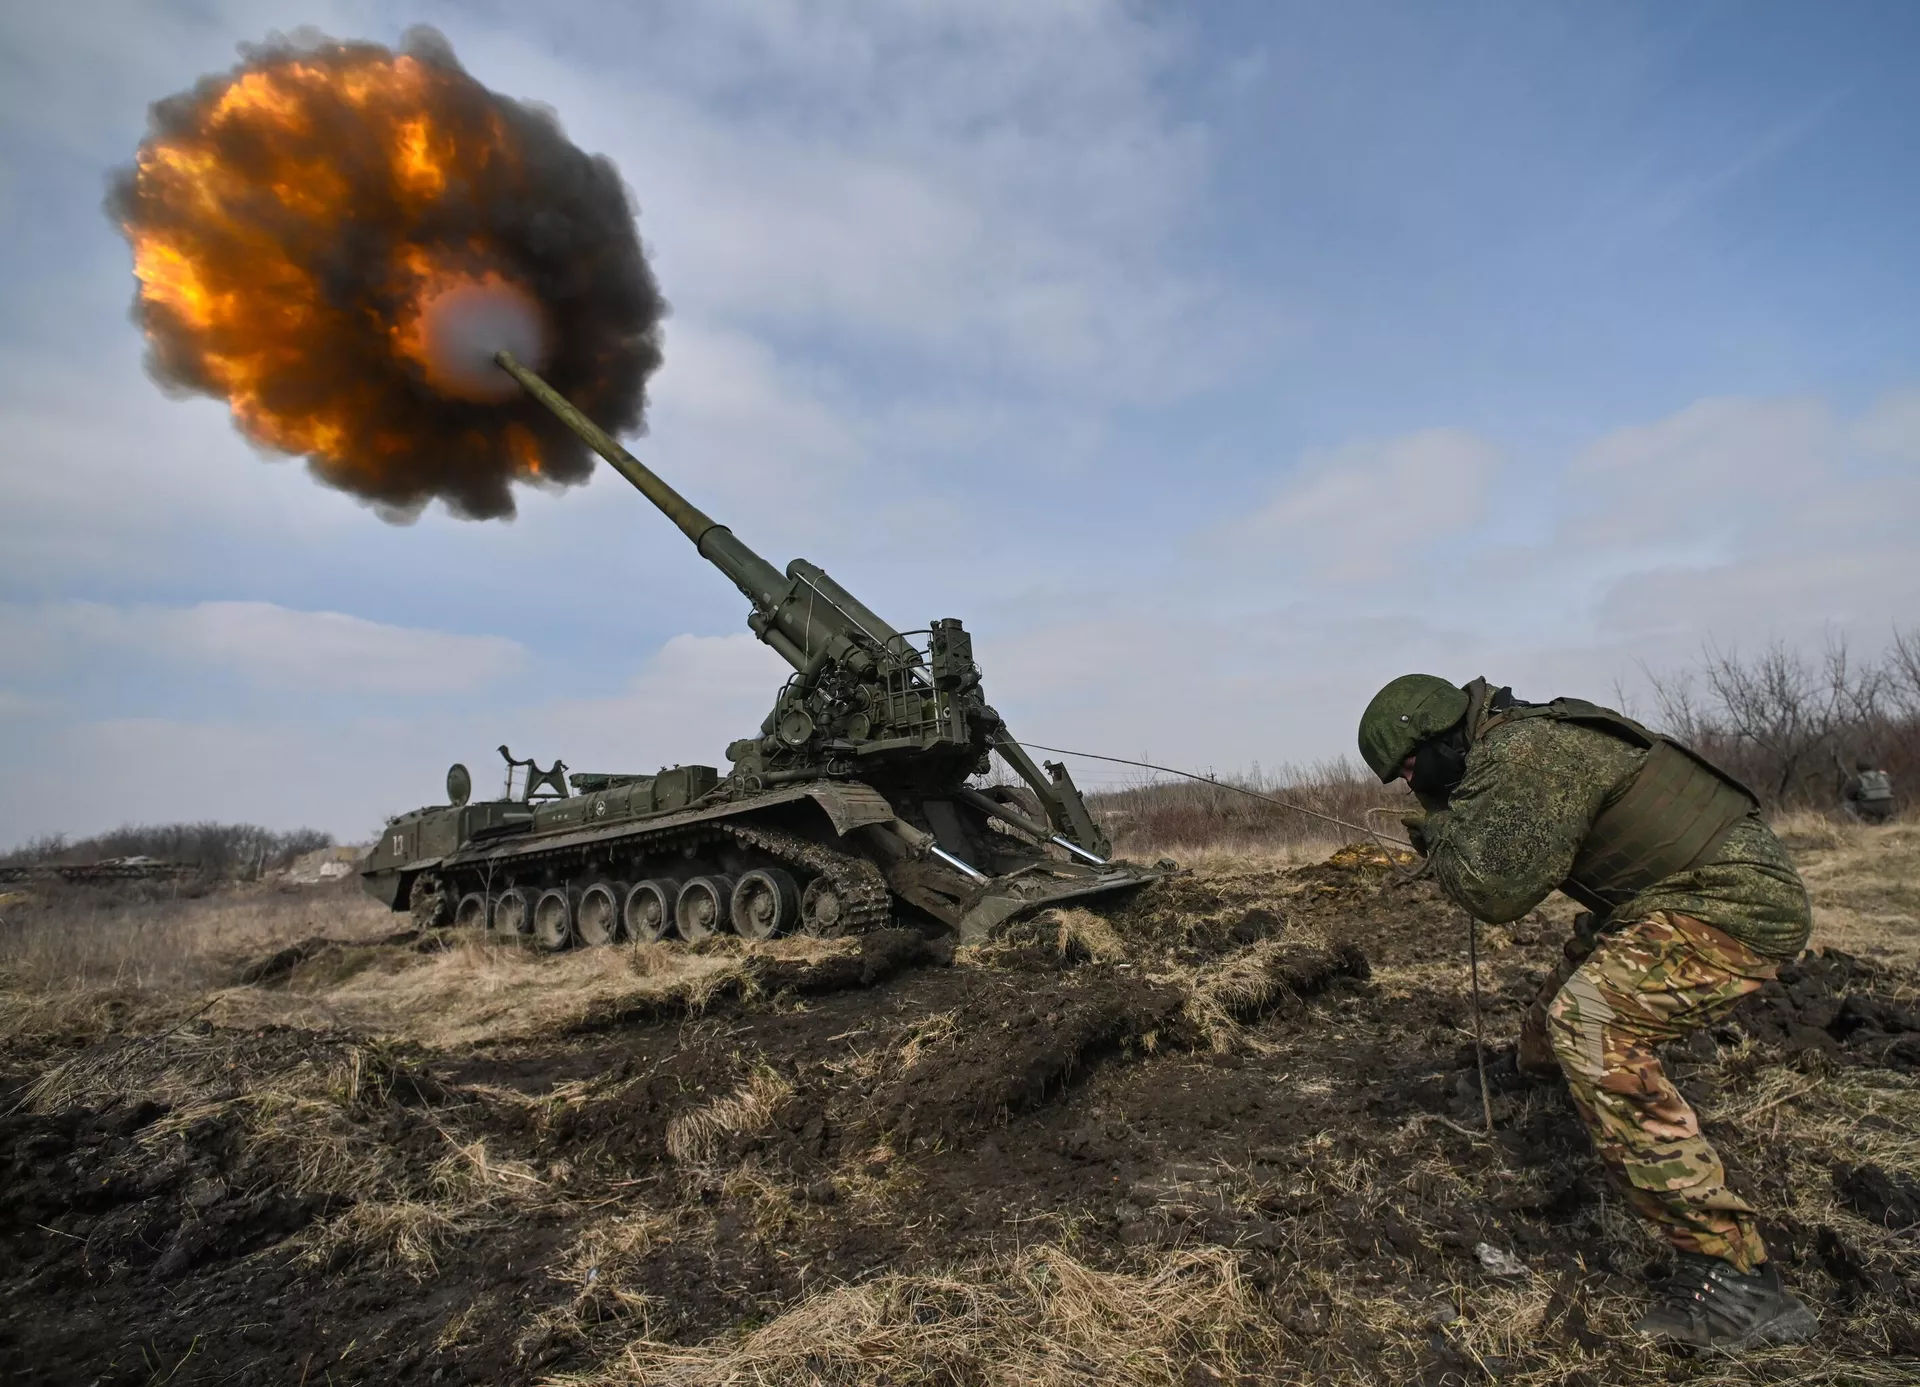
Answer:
(547, 216)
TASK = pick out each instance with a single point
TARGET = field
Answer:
(1225, 1132)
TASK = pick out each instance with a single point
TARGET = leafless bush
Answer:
(1792, 726)
(1171, 814)
(234, 851)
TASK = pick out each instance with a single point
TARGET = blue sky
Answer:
(1214, 363)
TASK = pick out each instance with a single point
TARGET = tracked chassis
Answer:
(825, 859)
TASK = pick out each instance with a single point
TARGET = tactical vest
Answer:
(1875, 787)
(1669, 816)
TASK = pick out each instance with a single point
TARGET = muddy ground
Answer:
(1273, 1063)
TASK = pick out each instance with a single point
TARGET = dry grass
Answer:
(1038, 1317)
(1082, 934)
(1189, 1316)
(316, 1125)
(1865, 884)
(88, 962)
(601, 1272)
(1245, 853)
(475, 992)
(1189, 815)
(700, 1137)
(126, 955)
(1221, 996)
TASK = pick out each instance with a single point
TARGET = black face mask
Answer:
(1438, 765)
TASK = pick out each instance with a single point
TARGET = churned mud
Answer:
(1238, 1112)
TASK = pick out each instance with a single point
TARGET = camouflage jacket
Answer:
(1532, 789)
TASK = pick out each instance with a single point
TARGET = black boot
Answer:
(1707, 1304)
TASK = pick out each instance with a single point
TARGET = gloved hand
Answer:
(1415, 823)
(1586, 934)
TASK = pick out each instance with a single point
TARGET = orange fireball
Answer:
(335, 237)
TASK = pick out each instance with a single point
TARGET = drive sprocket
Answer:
(865, 902)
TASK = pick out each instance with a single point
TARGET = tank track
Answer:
(863, 891)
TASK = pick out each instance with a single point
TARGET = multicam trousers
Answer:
(1645, 983)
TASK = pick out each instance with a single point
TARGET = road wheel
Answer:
(701, 911)
(823, 914)
(430, 902)
(597, 918)
(766, 902)
(649, 912)
(553, 918)
(474, 912)
(513, 914)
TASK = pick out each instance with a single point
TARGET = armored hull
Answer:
(684, 855)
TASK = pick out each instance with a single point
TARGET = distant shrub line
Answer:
(1192, 814)
(237, 851)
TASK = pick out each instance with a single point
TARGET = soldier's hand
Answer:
(1586, 937)
(1415, 823)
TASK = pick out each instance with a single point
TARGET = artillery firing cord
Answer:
(1227, 785)
(1479, 1047)
(1473, 927)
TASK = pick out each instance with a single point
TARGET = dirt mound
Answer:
(136, 1207)
(1008, 1050)
(1192, 918)
(279, 965)
(879, 956)
(1830, 1001)
(1879, 1196)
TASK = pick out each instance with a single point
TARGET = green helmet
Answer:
(1411, 709)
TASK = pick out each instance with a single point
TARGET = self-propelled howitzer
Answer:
(852, 803)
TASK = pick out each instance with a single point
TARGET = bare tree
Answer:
(1790, 725)
(1903, 674)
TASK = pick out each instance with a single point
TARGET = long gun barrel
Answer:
(811, 621)
(803, 614)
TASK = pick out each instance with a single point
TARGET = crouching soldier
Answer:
(1694, 905)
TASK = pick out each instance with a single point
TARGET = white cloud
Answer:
(994, 188)
(271, 646)
(911, 250)
(1697, 472)
(329, 650)
(691, 697)
(984, 195)
(1800, 541)
(1188, 671)
(1892, 427)
(1365, 510)
(748, 420)
(18, 706)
